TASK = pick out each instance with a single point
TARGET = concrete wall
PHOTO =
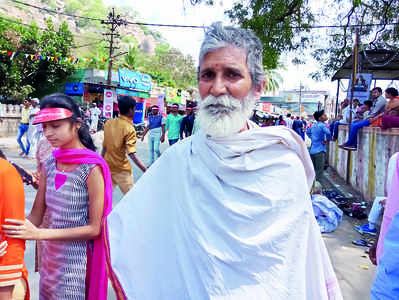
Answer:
(10, 116)
(368, 165)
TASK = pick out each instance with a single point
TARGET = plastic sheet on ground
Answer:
(327, 214)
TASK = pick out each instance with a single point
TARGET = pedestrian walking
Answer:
(297, 126)
(319, 134)
(13, 274)
(172, 124)
(23, 128)
(94, 115)
(75, 189)
(156, 127)
(227, 213)
(120, 140)
(34, 131)
(187, 123)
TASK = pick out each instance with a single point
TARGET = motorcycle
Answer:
(140, 127)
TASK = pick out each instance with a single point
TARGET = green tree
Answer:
(338, 43)
(38, 76)
(273, 80)
(277, 23)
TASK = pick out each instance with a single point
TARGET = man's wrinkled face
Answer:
(226, 90)
(224, 72)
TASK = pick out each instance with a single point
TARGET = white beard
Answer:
(224, 116)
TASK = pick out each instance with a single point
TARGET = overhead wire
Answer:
(202, 27)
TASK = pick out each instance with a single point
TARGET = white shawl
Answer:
(222, 219)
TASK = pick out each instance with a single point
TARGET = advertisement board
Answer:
(74, 89)
(361, 90)
(140, 111)
(173, 95)
(108, 103)
(161, 101)
(134, 80)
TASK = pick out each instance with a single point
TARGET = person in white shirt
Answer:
(34, 131)
(94, 114)
(226, 213)
(289, 121)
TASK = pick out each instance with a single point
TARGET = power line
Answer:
(202, 27)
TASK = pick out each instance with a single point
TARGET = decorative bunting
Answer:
(73, 60)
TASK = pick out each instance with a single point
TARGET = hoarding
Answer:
(135, 80)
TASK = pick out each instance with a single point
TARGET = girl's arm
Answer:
(95, 186)
(39, 206)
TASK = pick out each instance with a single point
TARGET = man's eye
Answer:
(207, 75)
(233, 75)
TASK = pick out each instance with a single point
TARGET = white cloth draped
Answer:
(222, 219)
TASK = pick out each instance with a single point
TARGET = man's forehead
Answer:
(225, 57)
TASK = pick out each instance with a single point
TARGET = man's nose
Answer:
(218, 87)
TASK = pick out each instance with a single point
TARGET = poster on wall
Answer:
(361, 90)
(161, 101)
(140, 111)
(108, 103)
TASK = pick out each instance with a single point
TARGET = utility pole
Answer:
(300, 99)
(114, 22)
(354, 75)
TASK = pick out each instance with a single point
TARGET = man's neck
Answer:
(174, 113)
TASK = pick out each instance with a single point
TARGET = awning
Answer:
(374, 62)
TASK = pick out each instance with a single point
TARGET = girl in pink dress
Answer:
(75, 190)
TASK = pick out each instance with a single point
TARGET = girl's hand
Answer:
(3, 248)
(24, 230)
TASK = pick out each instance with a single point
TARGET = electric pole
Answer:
(114, 22)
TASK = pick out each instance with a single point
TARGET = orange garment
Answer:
(12, 206)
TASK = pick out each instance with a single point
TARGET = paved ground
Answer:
(348, 260)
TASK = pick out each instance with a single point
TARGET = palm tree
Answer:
(273, 80)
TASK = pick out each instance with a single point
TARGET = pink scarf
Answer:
(96, 279)
(392, 207)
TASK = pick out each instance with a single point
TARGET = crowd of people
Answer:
(225, 213)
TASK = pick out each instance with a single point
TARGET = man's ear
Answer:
(258, 89)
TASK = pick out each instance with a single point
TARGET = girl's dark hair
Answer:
(392, 91)
(64, 101)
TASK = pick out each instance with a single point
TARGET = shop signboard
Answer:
(267, 107)
(173, 95)
(108, 103)
(114, 76)
(361, 90)
(135, 80)
(132, 93)
(74, 89)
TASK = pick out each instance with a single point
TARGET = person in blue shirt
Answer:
(156, 126)
(319, 135)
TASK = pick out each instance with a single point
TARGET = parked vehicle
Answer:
(140, 127)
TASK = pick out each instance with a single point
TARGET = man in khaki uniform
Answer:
(120, 139)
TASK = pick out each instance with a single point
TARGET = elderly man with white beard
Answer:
(225, 214)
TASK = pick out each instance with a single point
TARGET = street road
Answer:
(355, 281)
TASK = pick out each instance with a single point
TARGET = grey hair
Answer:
(219, 36)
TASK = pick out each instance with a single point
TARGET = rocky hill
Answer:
(87, 33)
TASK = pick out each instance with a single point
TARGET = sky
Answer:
(189, 40)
